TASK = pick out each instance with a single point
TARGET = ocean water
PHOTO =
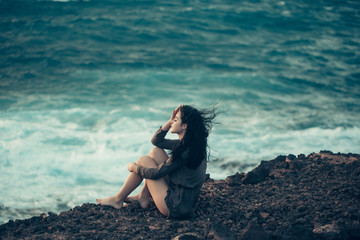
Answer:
(85, 84)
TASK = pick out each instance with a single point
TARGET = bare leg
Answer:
(155, 188)
(158, 188)
(143, 198)
(131, 183)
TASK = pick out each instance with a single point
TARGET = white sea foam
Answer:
(45, 157)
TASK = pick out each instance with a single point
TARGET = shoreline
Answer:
(289, 197)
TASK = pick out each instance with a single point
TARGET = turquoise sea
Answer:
(85, 84)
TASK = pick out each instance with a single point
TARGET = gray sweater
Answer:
(184, 183)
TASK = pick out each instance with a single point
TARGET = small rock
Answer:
(326, 229)
(290, 158)
(219, 231)
(254, 232)
(264, 214)
(251, 178)
(301, 156)
(235, 179)
(152, 228)
(187, 236)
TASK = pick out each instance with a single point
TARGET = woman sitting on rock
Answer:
(173, 182)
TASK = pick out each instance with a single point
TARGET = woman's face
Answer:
(176, 125)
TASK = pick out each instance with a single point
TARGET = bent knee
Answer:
(146, 161)
(158, 154)
(156, 151)
(142, 159)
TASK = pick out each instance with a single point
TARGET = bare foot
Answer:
(142, 201)
(110, 201)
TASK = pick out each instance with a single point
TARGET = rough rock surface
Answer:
(313, 197)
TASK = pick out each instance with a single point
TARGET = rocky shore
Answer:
(291, 197)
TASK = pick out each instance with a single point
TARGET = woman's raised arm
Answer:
(167, 125)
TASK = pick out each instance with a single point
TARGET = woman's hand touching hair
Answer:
(167, 125)
(175, 111)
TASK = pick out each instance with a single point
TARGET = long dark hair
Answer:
(199, 125)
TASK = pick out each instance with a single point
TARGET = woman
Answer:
(173, 182)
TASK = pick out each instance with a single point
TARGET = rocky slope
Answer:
(303, 197)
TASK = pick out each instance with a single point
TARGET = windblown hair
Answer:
(199, 125)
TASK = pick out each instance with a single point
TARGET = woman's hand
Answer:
(167, 125)
(133, 167)
(175, 111)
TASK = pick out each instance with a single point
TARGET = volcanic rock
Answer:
(304, 197)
